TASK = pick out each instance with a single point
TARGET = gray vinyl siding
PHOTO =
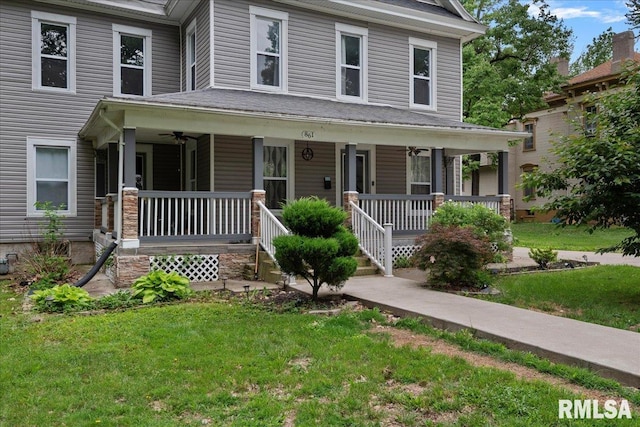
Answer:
(312, 57)
(389, 69)
(391, 169)
(203, 177)
(232, 163)
(310, 174)
(24, 112)
(231, 50)
(203, 54)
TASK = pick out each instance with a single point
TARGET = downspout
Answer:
(120, 174)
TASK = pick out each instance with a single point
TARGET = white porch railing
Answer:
(407, 213)
(375, 241)
(193, 214)
(270, 228)
(490, 202)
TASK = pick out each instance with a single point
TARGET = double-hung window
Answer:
(530, 141)
(191, 56)
(422, 54)
(590, 120)
(53, 51)
(268, 30)
(351, 62)
(420, 173)
(131, 61)
(528, 191)
(51, 176)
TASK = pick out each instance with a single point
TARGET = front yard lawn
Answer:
(607, 295)
(570, 238)
(223, 363)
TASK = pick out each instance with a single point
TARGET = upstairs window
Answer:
(268, 49)
(351, 62)
(54, 51)
(590, 120)
(131, 61)
(530, 141)
(191, 56)
(422, 55)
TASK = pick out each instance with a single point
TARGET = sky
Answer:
(590, 18)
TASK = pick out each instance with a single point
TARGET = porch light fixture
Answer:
(307, 153)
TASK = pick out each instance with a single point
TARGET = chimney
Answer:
(622, 50)
(562, 64)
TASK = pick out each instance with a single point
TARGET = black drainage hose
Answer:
(103, 258)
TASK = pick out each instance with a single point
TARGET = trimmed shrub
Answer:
(454, 256)
(543, 257)
(321, 249)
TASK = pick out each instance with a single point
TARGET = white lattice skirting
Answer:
(403, 251)
(197, 268)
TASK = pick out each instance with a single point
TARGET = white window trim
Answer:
(32, 143)
(433, 47)
(283, 17)
(191, 29)
(70, 22)
(118, 30)
(426, 152)
(363, 33)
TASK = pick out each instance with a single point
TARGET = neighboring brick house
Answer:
(549, 124)
(175, 127)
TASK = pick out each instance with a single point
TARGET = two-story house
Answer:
(176, 127)
(570, 111)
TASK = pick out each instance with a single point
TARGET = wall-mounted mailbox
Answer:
(327, 183)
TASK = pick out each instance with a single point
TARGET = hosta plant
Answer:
(62, 298)
(159, 285)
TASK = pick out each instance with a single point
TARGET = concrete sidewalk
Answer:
(612, 353)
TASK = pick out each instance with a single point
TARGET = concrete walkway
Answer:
(611, 352)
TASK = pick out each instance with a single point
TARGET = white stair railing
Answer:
(375, 241)
(270, 228)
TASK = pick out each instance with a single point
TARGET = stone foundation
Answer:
(128, 268)
(232, 265)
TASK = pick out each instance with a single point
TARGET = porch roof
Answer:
(179, 111)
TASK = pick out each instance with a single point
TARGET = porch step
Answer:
(268, 271)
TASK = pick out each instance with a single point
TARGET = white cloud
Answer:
(575, 12)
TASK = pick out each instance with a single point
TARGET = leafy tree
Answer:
(320, 249)
(507, 71)
(599, 51)
(633, 16)
(597, 178)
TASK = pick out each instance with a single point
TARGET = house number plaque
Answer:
(307, 134)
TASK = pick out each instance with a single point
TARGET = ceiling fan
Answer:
(413, 151)
(179, 137)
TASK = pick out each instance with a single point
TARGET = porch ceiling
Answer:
(247, 113)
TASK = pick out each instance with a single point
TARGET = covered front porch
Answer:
(219, 180)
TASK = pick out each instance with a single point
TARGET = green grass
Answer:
(222, 363)
(570, 238)
(607, 295)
